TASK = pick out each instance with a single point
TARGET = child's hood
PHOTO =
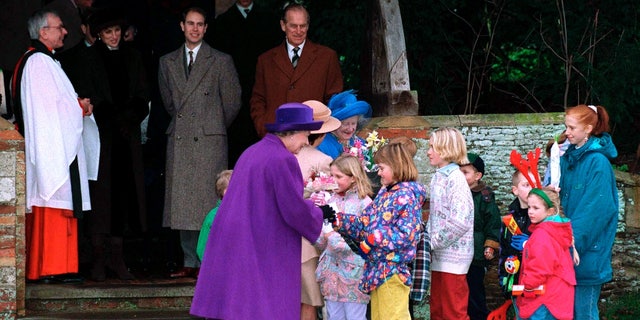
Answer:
(416, 188)
(559, 231)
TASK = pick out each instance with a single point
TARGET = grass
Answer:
(625, 307)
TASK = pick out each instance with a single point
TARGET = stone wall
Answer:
(12, 190)
(493, 137)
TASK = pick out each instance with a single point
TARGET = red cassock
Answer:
(52, 242)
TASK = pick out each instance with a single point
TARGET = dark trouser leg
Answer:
(97, 245)
(116, 260)
(477, 309)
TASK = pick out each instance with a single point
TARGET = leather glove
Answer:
(328, 213)
(354, 246)
(517, 241)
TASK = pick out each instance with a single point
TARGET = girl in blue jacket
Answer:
(590, 199)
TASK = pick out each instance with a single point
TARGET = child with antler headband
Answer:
(518, 220)
(516, 226)
(546, 273)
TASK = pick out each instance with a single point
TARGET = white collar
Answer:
(290, 48)
(195, 51)
(241, 9)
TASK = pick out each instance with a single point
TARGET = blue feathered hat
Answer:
(345, 105)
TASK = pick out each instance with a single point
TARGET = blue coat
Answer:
(251, 264)
(590, 199)
(331, 147)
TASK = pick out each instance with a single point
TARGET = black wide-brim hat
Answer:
(293, 116)
(105, 18)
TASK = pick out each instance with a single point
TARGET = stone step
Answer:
(111, 299)
(115, 315)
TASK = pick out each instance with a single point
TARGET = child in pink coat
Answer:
(547, 278)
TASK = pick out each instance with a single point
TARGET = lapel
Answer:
(308, 57)
(237, 15)
(204, 60)
(96, 61)
(282, 61)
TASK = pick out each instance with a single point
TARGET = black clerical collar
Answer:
(41, 47)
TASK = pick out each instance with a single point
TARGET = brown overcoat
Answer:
(317, 77)
(201, 107)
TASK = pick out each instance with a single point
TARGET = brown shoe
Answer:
(182, 273)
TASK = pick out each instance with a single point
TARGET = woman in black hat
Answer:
(114, 77)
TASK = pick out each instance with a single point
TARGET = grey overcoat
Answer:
(201, 105)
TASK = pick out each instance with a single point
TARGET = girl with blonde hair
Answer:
(340, 269)
(450, 225)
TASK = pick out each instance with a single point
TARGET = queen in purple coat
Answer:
(251, 265)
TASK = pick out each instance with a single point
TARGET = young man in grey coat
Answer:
(201, 92)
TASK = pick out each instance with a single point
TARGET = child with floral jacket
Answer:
(388, 231)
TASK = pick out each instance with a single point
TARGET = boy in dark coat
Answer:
(510, 257)
(486, 228)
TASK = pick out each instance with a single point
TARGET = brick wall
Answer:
(12, 204)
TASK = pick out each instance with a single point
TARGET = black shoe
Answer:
(67, 278)
(42, 280)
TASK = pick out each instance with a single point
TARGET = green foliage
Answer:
(503, 56)
(625, 307)
(341, 25)
(623, 168)
(519, 66)
(534, 56)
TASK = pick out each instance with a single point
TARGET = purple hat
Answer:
(293, 117)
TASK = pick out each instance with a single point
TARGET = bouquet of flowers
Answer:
(365, 152)
(320, 183)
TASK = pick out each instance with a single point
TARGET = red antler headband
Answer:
(526, 165)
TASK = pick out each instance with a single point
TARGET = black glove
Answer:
(328, 213)
(354, 246)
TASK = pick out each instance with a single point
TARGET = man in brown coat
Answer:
(201, 92)
(295, 71)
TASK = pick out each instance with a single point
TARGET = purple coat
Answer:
(251, 266)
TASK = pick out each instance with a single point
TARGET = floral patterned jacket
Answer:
(339, 269)
(391, 226)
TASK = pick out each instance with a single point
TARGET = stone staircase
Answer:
(112, 299)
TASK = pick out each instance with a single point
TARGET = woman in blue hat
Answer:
(346, 108)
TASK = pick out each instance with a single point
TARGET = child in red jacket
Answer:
(547, 278)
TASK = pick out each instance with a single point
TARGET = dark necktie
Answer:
(190, 65)
(296, 57)
(246, 13)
